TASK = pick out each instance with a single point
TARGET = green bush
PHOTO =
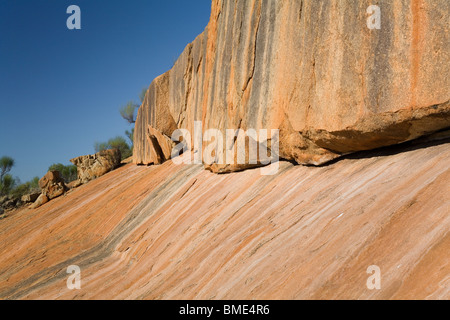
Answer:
(26, 188)
(7, 184)
(115, 143)
(128, 112)
(6, 163)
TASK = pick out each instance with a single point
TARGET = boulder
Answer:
(52, 185)
(32, 197)
(313, 70)
(91, 167)
(74, 184)
(41, 200)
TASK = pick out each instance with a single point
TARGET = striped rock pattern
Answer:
(180, 232)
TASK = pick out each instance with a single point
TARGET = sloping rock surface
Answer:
(180, 232)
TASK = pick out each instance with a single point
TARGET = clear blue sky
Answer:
(60, 89)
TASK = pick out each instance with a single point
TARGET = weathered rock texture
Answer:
(312, 69)
(91, 167)
(40, 201)
(52, 186)
(32, 197)
(180, 232)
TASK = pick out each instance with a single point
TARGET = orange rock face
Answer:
(180, 232)
(52, 184)
(312, 69)
(334, 88)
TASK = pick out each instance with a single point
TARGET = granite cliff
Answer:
(312, 69)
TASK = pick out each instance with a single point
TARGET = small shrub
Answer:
(31, 186)
(115, 143)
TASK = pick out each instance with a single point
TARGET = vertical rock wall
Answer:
(312, 69)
